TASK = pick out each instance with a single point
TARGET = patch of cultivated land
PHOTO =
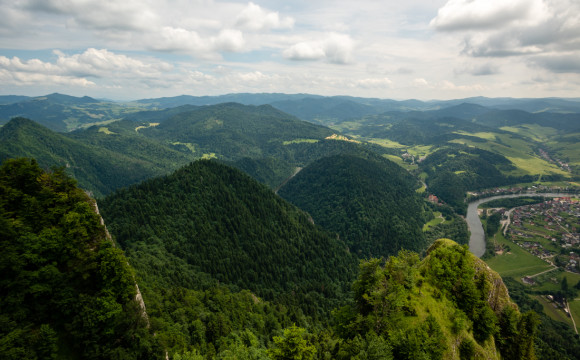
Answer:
(518, 151)
(568, 148)
(552, 281)
(532, 131)
(387, 143)
(516, 262)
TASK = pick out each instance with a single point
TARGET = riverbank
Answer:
(477, 238)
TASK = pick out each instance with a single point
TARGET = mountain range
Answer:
(250, 227)
(65, 113)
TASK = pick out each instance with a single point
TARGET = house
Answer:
(433, 199)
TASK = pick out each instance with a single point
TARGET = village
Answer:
(549, 230)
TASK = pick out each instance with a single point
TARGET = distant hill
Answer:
(62, 113)
(9, 99)
(157, 116)
(108, 163)
(326, 110)
(242, 98)
(233, 131)
(533, 105)
(370, 202)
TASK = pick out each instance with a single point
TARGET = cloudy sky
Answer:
(424, 49)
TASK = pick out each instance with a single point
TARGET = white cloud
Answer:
(74, 70)
(498, 28)
(420, 82)
(448, 85)
(170, 39)
(334, 48)
(100, 63)
(374, 83)
(305, 51)
(228, 40)
(254, 18)
(485, 14)
(27, 78)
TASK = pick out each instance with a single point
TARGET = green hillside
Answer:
(67, 292)
(233, 131)
(370, 202)
(450, 305)
(224, 224)
(109, 163)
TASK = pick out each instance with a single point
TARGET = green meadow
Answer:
(516, 262)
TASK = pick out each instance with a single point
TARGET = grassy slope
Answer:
(518, 151)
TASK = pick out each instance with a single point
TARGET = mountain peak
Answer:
(66, 99)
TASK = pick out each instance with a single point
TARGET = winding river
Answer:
(477, 239)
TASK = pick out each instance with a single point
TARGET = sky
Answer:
(412, 49)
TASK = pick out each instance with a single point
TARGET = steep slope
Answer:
(214, 221)
(370, 202)
(449, 305)
(66, 291)
(100, 168)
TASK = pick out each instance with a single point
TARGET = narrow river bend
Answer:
(477, 239)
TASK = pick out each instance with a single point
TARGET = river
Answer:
(477, 239)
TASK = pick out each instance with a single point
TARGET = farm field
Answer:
(551, 281)
(518, 151)
(516, 262)
(434, 222)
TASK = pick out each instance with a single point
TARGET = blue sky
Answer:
(424, 49)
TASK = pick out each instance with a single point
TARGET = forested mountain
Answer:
(112, 161)
(157, 116)
(222, 223)
(263, 141)
(234, 131)
(370, 202)
(67, 292)
(197, 238)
